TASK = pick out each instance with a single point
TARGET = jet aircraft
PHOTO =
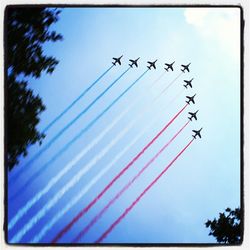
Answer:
(152, 64)
(185, 67)
(169, 66)
(134, 62)
(193, 115)
(190, 99)
(197, 133)
(117, 60)
(188, 83)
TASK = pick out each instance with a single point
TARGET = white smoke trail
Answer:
(18, 236)
(66, 169)
(42, 212)
(29, 204)
(37, 238)
(77, 197)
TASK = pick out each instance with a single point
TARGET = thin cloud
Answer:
(218, 25)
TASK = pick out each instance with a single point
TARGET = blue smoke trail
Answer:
(48, 226)
(48, 145)
(18, 236)
(75, 199)
(76, 100)
(60, 152)
(69, 166)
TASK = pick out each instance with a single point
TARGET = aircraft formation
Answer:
(169, 66)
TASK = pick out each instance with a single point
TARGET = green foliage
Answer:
(27, 29)
(227, 229)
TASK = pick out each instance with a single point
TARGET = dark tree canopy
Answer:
(21, 119)
(227, 228)
(27, 29)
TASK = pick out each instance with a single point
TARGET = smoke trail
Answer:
(166, 88)
(177, 95)
(69, 185)
(67, 168)
(76, 100)
(158, 79)
(171, 82)
(84, 130)
(34, 200)
(128, 209)
(76, 198)
(125, 188)
(84, 210)
(48, 145)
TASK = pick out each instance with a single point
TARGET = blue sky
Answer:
(206, 178)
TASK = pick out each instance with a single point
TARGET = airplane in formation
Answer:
(185, 67)
(152, 64)
(193, 115)
(197, 133)
(190, 99)
(134, 62)
(117, 60)
(188, 83)
(169, 66)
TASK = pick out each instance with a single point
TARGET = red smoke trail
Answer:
(83, 211)
(128, 209)
(125, 188)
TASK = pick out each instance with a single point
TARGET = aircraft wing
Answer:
(130, 60)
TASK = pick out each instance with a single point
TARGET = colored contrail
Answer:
(126, 187)
(84, 130)
(76, 100)
(65, 128)
(128, 209)
(29, 204)
(19, 235)
(82, 212)
(73, 181)
(37, 238)
(76, 198)
(68, 166)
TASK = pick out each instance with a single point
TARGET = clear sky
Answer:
(202, 182)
